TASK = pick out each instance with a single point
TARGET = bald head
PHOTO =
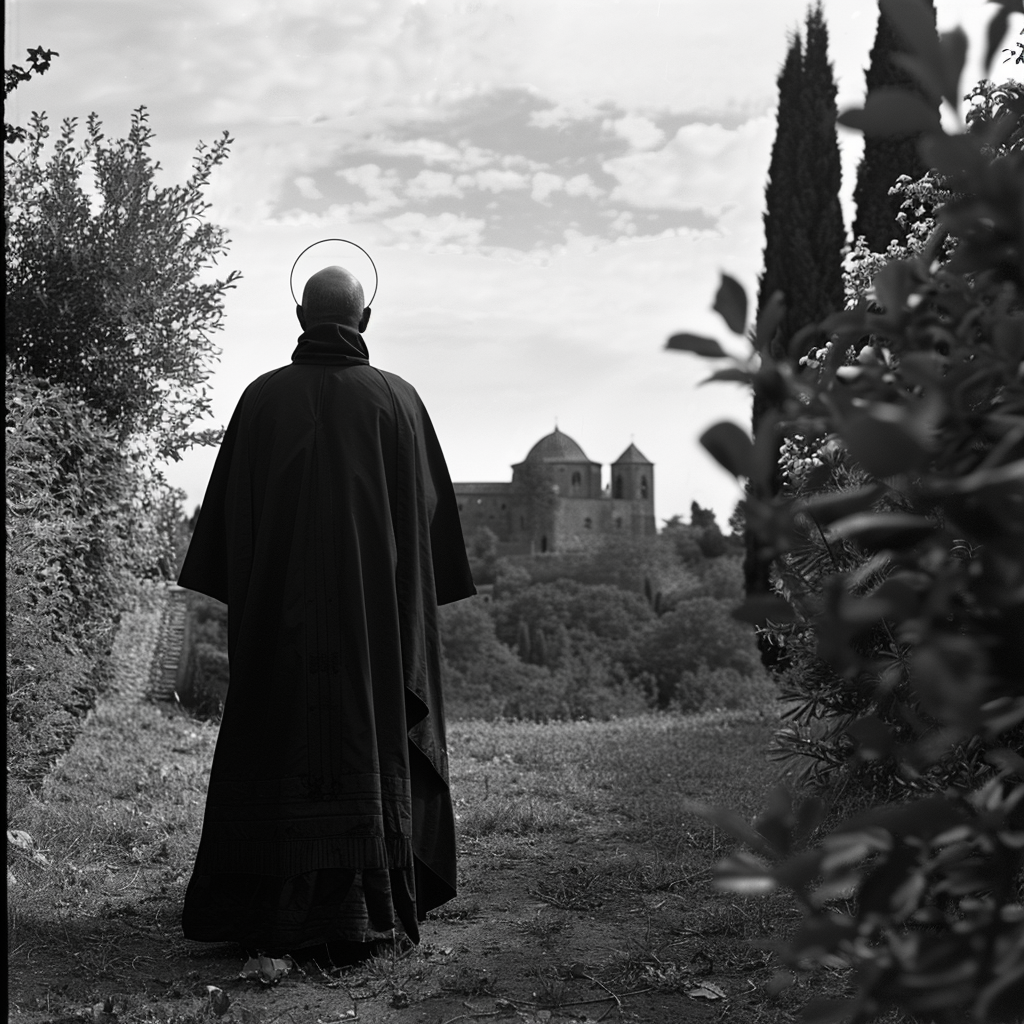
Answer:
(333, 295)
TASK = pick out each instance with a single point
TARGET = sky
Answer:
(548, 188)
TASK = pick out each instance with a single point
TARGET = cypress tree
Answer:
(822, 176)
(784, 233)
(885, 159)
(803, 220)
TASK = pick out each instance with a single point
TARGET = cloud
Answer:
(561, 114)
(638, 131)
(462, 157)
(431, 184)
(381, 186)
(706, 167)
(582, 185)
(523, 181)
(307, 187)
(544, 184)
(445, 232)
(494, 180)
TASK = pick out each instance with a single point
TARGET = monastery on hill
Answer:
(581, 513)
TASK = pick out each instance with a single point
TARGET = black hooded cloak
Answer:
(331, 531)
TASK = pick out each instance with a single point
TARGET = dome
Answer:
(634, 455)
(556, 447)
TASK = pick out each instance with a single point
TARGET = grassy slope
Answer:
(582, 872)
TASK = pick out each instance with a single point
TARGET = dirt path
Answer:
(584, 885)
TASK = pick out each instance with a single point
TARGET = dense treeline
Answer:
(630, 626)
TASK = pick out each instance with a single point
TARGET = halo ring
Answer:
(291, 276)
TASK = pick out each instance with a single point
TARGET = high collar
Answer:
(333, 344)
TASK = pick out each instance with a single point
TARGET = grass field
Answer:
(585, 882)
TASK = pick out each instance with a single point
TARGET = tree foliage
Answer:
(803, 223)
(39, 60)
(886, 157)
(920, 619)
(84, 526)
(108, 289)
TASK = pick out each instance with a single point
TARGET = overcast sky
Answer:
(549, 189)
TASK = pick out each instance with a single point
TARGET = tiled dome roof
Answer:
(634, 455)
(556, 447)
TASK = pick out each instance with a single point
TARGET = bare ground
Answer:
(585, 888)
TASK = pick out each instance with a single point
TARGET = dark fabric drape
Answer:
(330, 529)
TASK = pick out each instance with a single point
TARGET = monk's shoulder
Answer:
(403, 391)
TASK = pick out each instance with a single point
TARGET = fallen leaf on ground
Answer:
(219, 1000)
(266, 970)
(706, 990)
(23, 841)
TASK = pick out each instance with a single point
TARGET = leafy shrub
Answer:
(107, 291)
(921, 621)
(82, 529)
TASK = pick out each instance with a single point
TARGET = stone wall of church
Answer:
(584, 523)
(485, 504)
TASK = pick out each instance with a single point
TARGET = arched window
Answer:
(643, 487)
(543, 544)
(617, 487)
(575, 483)
(587, 524)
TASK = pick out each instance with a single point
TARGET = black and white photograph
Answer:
(515, 511)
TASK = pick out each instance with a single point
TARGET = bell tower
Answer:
(633, 476)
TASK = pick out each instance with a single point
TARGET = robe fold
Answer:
(330, 529)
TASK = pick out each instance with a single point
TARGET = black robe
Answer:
(331, 531)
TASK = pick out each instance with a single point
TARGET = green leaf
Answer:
(849, 325)
(696, 343)
(954, 51)
(953, 155)
(1006, 761)
(729, 445)
(826, 508)
(894, 283)
(874, 530)
(884, 440)
(873, 737)
(730, 373)
(762, 608)
(927, 76)
(729, 821)
(744, 873)
(731, 304)
(892, 111)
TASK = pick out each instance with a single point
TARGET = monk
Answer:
(331, 531)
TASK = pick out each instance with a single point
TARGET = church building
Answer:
(555, 501)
